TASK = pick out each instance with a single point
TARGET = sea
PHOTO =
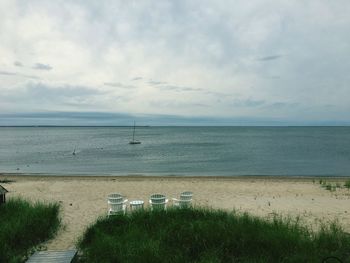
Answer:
(176, 151)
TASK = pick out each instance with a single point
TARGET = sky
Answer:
(195, 61)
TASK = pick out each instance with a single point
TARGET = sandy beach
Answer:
(83, 199)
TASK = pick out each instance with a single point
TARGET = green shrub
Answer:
(328, 187)
(347, 184)
(25, 225)
(202, 235)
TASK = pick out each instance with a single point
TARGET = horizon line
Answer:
(148, 126)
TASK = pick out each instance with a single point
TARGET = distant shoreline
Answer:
(172, 126)
(144, 176)
(72, 126)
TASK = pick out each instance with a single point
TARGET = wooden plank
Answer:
(53, 256)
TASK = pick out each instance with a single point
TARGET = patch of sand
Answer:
(83, 199)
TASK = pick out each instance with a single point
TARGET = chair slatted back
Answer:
(115, 198)
(158, 198)
(115, 195)
(185, 196)
(158, 201)
(185, 199)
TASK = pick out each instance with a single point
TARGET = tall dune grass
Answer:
(202, 235)
(347, 184)
(24, 225)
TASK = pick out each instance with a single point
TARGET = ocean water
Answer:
(221, 151)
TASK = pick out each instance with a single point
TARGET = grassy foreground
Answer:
(202, 235)
(24, 225)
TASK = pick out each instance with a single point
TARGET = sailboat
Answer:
(133, 137)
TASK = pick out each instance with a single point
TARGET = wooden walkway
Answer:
(53, 256)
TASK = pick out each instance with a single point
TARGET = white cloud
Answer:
(193, 58)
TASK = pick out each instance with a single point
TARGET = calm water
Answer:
(177, 150)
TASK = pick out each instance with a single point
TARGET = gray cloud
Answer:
(217, 94)
(178, 88)
(156, 83)
(41, 66)
(6, 73)
(136, 78)
(267, 58)
(44, 93)
(281, 105)
(18, 64)
(67, 118)
(272, 77)
(175, 104)
(117, 119)
(251, 103)
(119, 85)
(66, 90)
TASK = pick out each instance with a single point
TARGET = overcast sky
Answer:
(258, 59)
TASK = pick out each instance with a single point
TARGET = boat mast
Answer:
(133, 134)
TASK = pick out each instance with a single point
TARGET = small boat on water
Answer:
(133, 137)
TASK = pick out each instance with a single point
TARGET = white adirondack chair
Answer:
(116, 204)
(185, 200)
(158, 202)
(116, 208)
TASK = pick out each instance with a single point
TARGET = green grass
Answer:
(334, 186)
(329, 186)
(347, 184)
(6, 181)
(24, 225)
(202, 235)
